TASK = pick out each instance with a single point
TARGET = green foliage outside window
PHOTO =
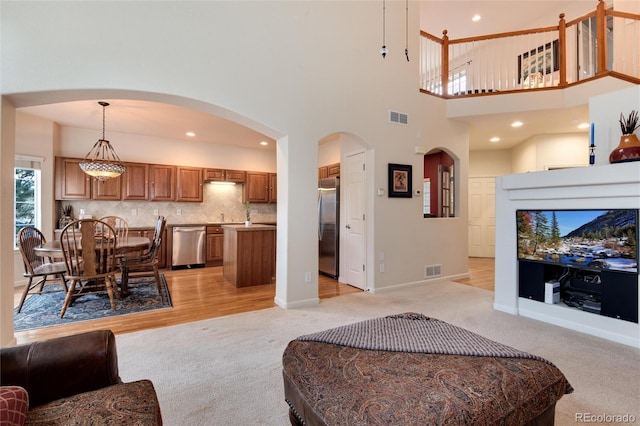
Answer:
(25, 198)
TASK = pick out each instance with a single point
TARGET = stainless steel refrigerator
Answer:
(329, 225)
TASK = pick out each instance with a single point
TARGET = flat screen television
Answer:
(590, 239)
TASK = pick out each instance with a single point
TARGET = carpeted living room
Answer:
(190, 347)
(228, 370)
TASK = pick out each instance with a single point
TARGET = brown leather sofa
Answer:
(75, 380)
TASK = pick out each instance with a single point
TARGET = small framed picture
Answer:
(400, 181)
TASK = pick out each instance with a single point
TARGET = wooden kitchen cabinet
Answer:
(237, 176)
(333, 170)
(108, 189)
(249, 254)
(188, 184)
(162, 182)
(222, 175)
(71, 183)
(215, 246)
(260, 187)
(214, 175)
(273, 187)
(330, 170)
(135, 182)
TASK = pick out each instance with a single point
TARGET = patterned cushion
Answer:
(14, 404)
(133, 403)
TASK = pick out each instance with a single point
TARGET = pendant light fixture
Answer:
(102, 162)
(383, 50)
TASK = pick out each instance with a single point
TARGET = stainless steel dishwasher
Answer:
(188, 247)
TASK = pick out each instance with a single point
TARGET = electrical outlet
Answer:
(134, 212)
(179, 212)
(156, 212)
(307, 277)
(82, 211)
(382, 267)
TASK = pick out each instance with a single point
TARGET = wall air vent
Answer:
(398, 117)
(432, 271)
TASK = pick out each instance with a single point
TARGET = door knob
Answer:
(348, 226)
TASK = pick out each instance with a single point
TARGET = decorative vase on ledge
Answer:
(627, 150)
(629, 147)
(247, 223)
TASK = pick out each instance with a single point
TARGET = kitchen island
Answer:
(249, 254)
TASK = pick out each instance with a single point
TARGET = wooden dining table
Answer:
(53, 249)
(125, 245)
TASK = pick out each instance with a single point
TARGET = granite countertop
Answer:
(254, 227)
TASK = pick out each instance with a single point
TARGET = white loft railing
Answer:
(603, 42)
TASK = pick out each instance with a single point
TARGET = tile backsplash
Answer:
(221, 203)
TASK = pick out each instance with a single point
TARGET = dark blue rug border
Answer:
(40, 311)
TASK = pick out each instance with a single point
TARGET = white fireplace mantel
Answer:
(599, 187)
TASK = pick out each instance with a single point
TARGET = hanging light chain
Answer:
(406, 45)
(383, 50)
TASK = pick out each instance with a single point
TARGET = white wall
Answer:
(545, 152)
(489, 163)
(329, 151)
(296, 71)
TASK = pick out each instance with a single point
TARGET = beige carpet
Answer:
(227, 371)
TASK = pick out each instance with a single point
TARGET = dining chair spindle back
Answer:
(37, 266)
(89, 249)
(146, 264)
(120, 225)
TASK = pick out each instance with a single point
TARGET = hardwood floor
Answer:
(196, 294)
(481, 273)
(199, 294)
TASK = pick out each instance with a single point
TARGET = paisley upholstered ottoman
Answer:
(410, 369)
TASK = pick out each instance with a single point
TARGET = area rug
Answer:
(44, 310)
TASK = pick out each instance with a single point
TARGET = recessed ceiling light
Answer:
(516, 124)
(190, 134)
(494, 139)
(476, 18)
(583, 126)
(264, 143)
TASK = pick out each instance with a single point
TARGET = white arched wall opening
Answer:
(10, 104)
(341, 147)
(439, 162)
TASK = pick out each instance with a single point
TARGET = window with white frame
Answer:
(26, 194)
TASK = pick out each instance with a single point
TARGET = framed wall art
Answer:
(400, 181)
(539, 61)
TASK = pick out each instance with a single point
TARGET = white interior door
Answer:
(482, 217)
(353, 185)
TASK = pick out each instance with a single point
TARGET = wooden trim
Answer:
(617, 14)
(562, 50)
(503, 35)
(431, 37)
(601, 37)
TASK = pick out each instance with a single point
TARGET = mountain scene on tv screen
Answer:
(602, 239)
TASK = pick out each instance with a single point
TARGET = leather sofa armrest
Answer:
(61, 367)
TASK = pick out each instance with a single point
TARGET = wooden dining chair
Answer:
(145, 265)
(119, 224)
(89, 249)
(37, 266)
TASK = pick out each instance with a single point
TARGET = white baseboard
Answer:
(297, 304)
